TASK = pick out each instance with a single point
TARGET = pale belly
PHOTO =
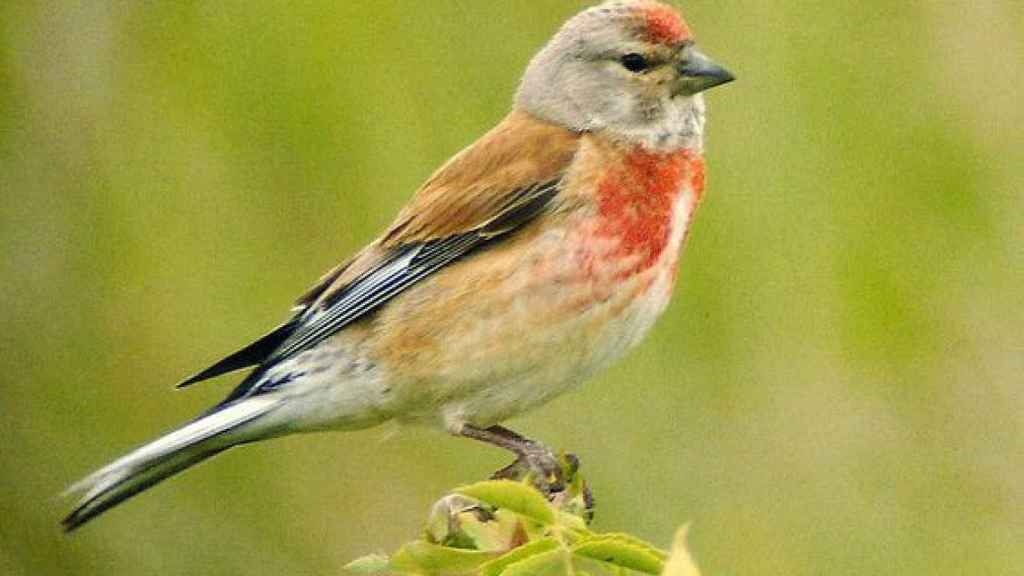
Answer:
(542, 362)
(481, 347)
(507, 342)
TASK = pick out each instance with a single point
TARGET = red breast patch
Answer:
(636, 201)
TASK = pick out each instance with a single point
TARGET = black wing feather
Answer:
(407, 265)
(404, 267)
(251, 355)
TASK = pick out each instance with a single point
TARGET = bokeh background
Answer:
(837, 388)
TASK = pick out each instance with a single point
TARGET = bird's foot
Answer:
(554, 476)
(541, 466)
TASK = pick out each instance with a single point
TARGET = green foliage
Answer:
(512, 496)
(509, 528)
(622, 550)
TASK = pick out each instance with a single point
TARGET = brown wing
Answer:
(490, 189)
(488, 180)
(482, 182)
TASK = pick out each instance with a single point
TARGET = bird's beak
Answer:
(698, 72)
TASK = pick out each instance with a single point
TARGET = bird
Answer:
(527, 263)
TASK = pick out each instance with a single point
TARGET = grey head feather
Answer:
(577, 81)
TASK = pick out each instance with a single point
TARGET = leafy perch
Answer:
(509, 528)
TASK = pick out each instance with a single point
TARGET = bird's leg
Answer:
(531, 457)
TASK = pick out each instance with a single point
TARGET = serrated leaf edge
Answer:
(628, 539)
(653, 564)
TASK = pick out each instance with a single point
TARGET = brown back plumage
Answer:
(478, 187)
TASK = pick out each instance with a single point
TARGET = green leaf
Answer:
(518, 497)
(550, 563)
(572, 521)
(680, 563)
(496, 566)
(629, 538)
(422, 557)
(369, 564)
(622, 550)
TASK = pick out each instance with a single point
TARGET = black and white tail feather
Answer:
(164, 457)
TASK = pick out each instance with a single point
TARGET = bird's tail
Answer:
(165, 457)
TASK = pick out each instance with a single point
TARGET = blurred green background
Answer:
(837, 388)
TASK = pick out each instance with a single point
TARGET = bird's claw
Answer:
(554, 477)
(548, 472)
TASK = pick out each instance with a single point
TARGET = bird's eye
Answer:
(634, 62)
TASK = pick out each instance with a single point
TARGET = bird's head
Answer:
(630, 67)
